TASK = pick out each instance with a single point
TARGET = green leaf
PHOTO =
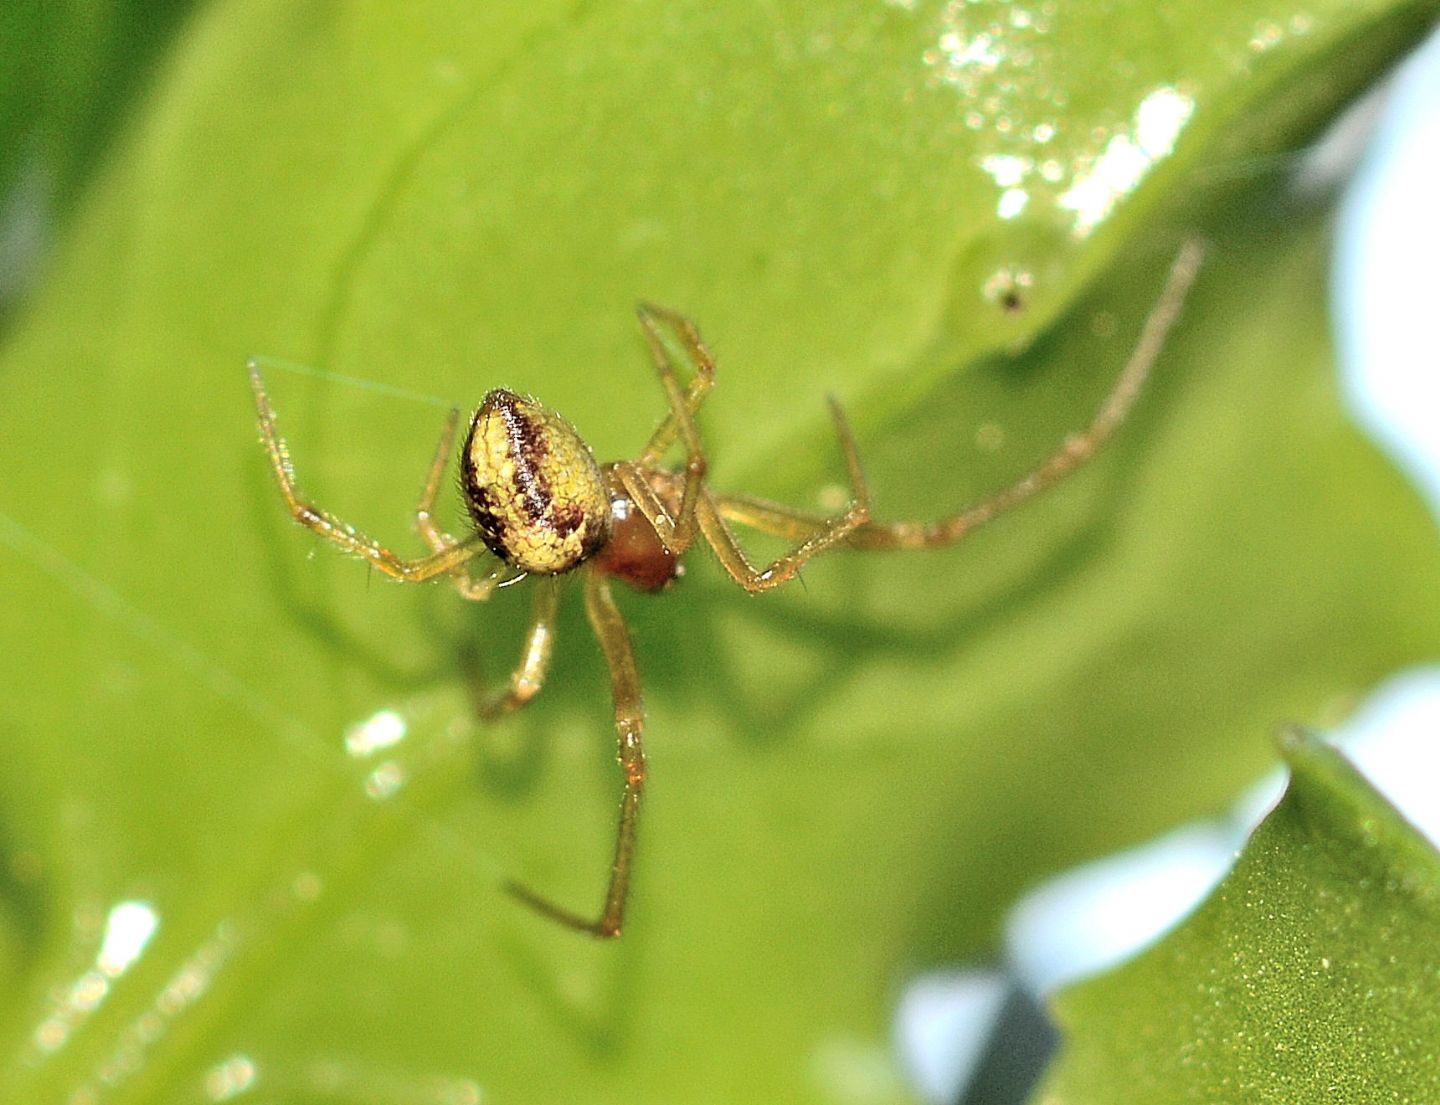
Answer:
(19, 27)
(72, 70)
(1310, 974)
(850, 778)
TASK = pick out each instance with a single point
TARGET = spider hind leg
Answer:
(614, 638)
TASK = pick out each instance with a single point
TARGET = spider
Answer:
(542, 506)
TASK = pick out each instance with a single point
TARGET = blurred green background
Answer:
(851, 779)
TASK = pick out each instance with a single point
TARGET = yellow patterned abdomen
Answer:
(532, 485)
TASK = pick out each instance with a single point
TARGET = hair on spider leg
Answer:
(540, 504)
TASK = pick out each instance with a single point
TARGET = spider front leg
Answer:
(1073, 452)
(680, 421)
(1076, 449)
(651, 315)
(614, 638)
(443, 559)
(816, 535)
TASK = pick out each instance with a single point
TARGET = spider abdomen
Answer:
(532, 485)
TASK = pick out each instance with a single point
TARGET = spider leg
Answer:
(425, 512)
(776, 519)
(651, 316)
(614, 640)
(529, 674)
(1073, 452)
(815, 535)
(470, 587)
(439, 562)
(638, 487)
(680, 422)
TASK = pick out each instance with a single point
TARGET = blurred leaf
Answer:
(96, 57)
(1308, 976)
(850, 778)
(72, 70)
(20, 24)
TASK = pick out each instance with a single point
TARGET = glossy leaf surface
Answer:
(1310, 974)
(850, 778)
